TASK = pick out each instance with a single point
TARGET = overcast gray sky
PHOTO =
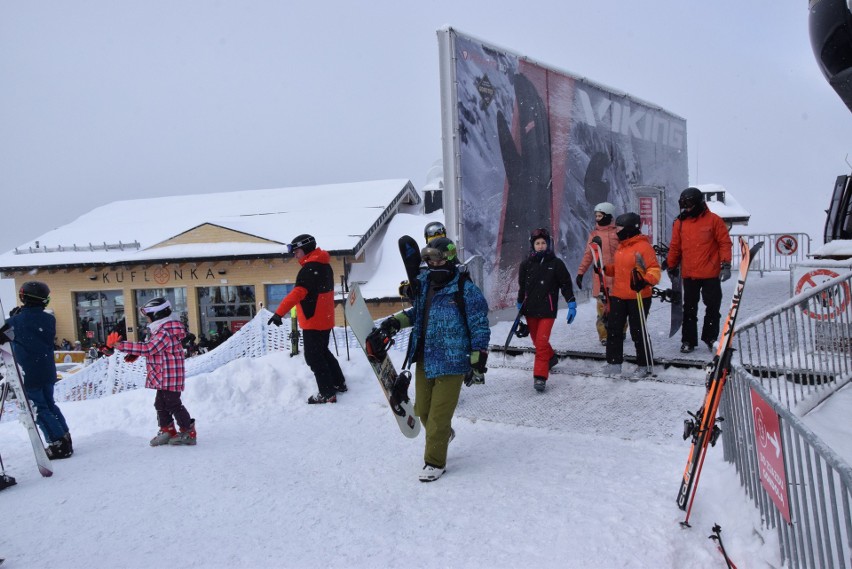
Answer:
(103, 100)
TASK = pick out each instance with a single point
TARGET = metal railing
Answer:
(794, 357)
(781, 250)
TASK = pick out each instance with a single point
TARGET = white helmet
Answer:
(605, 208)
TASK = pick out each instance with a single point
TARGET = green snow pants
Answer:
(435, 402)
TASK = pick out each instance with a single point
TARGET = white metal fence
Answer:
(780, 251)
(793, 358)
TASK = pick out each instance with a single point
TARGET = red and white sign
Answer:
(770, 453)
(834, 301)
(786, 245)
(647, 215)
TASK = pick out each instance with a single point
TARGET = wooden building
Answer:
(218, 258)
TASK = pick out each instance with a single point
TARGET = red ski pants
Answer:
(540, 335)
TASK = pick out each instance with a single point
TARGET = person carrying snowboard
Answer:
(448, 344)
(605, 230)
(634, 269)
(164, 361)
(31, 329)
(313, 297)
(701, 250)
(541, 277)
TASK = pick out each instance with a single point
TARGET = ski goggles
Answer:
(299, 244)
(154, 309)
(540, 233)
(433, 232)
(433, 257)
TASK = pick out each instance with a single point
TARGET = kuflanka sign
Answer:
(786, 245)
(834, 301)
(770, 453)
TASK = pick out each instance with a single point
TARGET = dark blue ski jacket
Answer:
(34, 331)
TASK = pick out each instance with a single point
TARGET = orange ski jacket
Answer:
(700, 245)
(627, 258)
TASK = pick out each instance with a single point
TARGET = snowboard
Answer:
(674, 295)
(596, 247)
(410, 253)
(513, 329)
(361, 323)
(26, 415)
(294, 333)
(702, 426)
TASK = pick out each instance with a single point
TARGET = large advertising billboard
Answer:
(528, 146)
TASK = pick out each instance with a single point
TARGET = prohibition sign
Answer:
(834, 301)
(786, 245)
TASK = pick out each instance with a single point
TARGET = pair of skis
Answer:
(12, 377)
(702, 426)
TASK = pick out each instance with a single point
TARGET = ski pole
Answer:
(646, 340)
(345, 323)
(717, 537)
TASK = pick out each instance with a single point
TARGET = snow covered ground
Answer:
(584, 475)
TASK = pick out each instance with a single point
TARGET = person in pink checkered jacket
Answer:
(164, 356)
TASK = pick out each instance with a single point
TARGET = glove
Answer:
(637, 280)
(726, 272)
(129, 358)
(276, 319)
(405, 289)
(476, 374)
(673, 273)
(106, 350)
(15, 310)
(390, 326)
(519, 305)
(113, 339)
(579, 281)
(3, 338)
(572, 311)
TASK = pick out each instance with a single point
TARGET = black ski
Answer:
(702, 426)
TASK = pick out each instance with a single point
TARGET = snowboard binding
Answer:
(378, 343)
(399, 392)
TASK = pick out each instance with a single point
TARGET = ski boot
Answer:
(186, 437)
(165, 435)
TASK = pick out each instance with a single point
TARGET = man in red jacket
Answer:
(313, 297)
(701, 250)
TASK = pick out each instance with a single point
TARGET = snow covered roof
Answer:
(836, 249)
(722, 203)
(343, 218)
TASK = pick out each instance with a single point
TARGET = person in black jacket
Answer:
(31, 330)
(541, 277)
(313, 297)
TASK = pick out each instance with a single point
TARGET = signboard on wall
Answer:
(529, 146)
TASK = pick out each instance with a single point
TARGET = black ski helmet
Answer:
(34, 293)
(630, 224)
(440, 248)
(540, 233)
(690, 197)
(156, 308)
(305, 242)
(433, 230)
